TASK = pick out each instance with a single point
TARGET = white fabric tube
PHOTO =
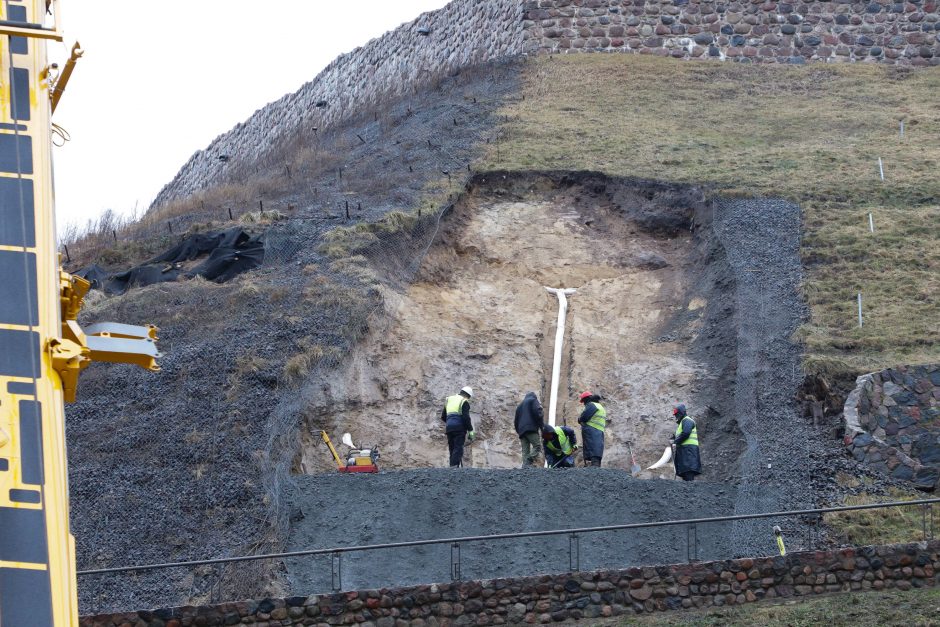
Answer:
(562, 295)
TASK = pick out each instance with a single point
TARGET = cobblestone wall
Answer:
(468, 32)
(751, 30)
(463, 33)
(556, 598)
(892, 422)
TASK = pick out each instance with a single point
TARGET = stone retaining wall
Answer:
(746, 30)
(463, 33)
(468, 32)
(892, 422)
(555, 598)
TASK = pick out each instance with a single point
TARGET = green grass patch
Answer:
(914, 608)
(810, 134)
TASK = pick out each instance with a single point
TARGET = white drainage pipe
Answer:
(562, 295)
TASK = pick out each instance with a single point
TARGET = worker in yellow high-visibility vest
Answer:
(687, 460)
(560, 444)
(593, 421)
(457, 425)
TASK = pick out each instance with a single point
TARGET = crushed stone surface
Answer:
(334, 510)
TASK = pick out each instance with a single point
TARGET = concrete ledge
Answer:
(573, 596)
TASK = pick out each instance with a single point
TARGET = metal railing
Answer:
(574, 552)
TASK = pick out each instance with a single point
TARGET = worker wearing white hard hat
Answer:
(457, 425)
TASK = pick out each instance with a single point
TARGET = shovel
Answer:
(635, 467)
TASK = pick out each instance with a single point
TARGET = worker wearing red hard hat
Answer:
(593, 421)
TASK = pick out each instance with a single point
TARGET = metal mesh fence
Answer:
(761, 239)
(353, 212)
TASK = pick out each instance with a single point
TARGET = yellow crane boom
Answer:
(42, 347)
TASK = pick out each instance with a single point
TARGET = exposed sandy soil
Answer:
(478, 315)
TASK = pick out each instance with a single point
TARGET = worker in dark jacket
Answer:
(687, 460)
(593, 421)
(529, 423)
(560, 445)
(457, 425)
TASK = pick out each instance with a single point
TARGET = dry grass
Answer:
(248, 365)
(879, 526)
(263, 218)
(118, 241)
(810, 134)
(302, 364)
(348, 241)
(913, 608)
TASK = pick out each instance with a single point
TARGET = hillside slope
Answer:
(811, 134)
(193, 462)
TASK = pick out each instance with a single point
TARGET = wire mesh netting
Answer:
(346, 216)
(761, 238)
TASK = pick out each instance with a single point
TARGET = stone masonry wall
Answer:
(572, 596)
(746, 30)
(468, 32)
(892, 422)
(463, 33)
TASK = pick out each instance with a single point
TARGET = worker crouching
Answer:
(457, 425)
(687, 460)
(593, 421)
(560, 444)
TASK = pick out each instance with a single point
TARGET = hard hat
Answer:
(468, 391)
(584, 396)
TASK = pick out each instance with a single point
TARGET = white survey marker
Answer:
(562, 294)
(667, 456)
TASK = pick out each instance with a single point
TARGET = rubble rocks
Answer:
(892, 423)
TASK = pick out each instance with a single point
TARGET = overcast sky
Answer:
(160, 79)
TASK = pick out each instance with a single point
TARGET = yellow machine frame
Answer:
(329, 444)
(42, 347)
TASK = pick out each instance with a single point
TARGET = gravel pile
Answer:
(761, 240)
(335, 510)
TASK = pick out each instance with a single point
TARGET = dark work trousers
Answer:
(455, 442)
(688, 476)
(593, 440)
(531, 443)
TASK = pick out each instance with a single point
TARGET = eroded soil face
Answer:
(479, 315)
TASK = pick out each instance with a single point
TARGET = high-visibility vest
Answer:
(692, 440)
(599, 419)
(563, 447)
(454, 404)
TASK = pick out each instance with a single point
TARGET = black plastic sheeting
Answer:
(230, 253)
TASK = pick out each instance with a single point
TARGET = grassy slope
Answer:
(870, 609)
(811, 134)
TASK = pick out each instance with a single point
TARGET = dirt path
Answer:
(478, 315)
